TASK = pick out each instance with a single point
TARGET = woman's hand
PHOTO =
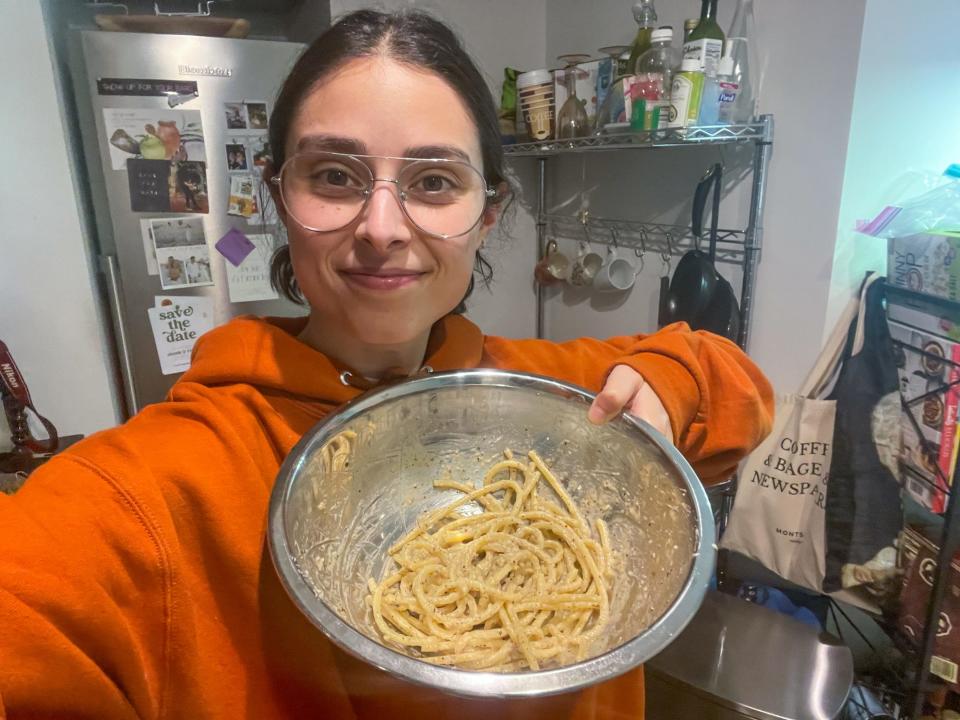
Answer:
(626, 389)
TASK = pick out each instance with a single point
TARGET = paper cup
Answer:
(535, 96)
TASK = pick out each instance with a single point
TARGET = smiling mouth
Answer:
(382, 279)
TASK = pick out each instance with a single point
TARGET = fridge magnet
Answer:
(176, 324)
(243, 196)
(250, 280)
(149, 251)
(260, 151)
(236, 116)
(256, 115)
(176, 92)
(153, 134)
(164, 186)
(188, 187)
(149, 182)
(162, 301)
(182, 253)
(234, 246)
(236, 156)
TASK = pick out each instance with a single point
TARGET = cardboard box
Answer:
(927, 262)
(920, 375)
(593, 81)
(925, 314)
(920, 556)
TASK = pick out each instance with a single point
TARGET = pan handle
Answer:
(717, 173)
(699, 204)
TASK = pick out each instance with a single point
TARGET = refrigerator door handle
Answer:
(120, 332)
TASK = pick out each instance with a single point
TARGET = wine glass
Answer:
(619, 54)
(572, 120)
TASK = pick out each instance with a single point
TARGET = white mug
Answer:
(616, 275)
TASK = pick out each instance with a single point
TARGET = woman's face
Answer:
(381, 279)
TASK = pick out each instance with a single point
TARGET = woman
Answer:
(133, 579)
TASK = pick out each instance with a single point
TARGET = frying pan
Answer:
(722, 313)
(695, 278)
(697, 293)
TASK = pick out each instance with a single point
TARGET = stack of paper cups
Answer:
(535, 94)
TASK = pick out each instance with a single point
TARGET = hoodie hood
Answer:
(265, 353)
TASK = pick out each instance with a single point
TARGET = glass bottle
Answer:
(743, 38)
(572, 121)
(646, 16)
(688, 25)
(705, 43)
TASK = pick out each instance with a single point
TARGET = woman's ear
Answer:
(491, 213)
(269, 175)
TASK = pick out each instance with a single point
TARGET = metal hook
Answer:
(586, 231)
(643, 245)
(665, 257)
(613, 234)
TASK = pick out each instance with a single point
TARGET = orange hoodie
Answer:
(134, 580)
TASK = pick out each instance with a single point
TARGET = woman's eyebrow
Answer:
(428, 152)
(332, 143)
(352, 146)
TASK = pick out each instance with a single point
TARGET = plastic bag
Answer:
(936, 207)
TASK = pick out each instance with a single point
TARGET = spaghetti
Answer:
(519, 585)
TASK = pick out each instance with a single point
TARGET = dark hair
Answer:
(411, 37)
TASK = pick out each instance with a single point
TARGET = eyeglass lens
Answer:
(327, 191)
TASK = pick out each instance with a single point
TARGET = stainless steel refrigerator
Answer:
(174, 132)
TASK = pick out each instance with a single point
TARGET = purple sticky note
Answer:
(235, 246)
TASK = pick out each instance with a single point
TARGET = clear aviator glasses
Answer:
(326, 191)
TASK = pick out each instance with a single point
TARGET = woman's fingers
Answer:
(626, 389)
(622, 385)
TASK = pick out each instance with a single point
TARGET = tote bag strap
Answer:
(840, 345)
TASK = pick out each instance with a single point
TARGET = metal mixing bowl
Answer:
(332, 517)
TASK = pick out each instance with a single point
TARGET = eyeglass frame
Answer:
(488, 192)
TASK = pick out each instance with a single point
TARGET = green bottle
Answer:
(705, 43)
(646, 16)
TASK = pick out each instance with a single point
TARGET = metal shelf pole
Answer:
(541, 237)
(754, 233)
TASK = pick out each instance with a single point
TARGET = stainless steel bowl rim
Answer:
(467, 682)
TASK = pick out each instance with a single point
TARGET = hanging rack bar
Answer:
(651, 237)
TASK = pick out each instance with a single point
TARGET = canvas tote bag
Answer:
(778, 516)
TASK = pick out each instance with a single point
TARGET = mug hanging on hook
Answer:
(553, 267)
(587, 265)
(617, 273)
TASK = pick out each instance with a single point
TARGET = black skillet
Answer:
(721, 314)
(695, 279)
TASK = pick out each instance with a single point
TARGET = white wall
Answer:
(905, 114)
(496, 33)
(50, 319)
